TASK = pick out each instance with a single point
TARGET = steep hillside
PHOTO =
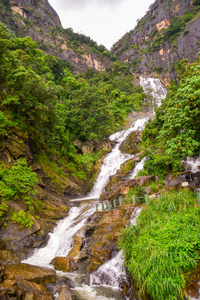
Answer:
(37, 19)
(169, 31)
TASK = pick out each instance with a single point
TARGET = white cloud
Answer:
(105, 21)
(80, 4)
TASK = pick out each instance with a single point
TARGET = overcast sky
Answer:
(105, 21)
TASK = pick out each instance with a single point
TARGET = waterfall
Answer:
(61, 239)
(155, 88)
(138, 167)
(192, 164)
(115, 158)
(113, 272)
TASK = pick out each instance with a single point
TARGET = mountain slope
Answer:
(169, 31)
(38, 20)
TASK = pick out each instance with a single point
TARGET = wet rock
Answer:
(2, 269)
(131, 142)
(65, 294)
(8, 256)
(22, 241)
(19, 240)
(4, 295)
(15, 147)
(65, 264)
(74, 253)
(116, 189)
(102, 236)
(33, 291)
(9, 286)
(194, 289)
(31, 273)
(64, 281)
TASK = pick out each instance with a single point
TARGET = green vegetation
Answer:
(77, 42)
(163, 249)
(49, 108)
(174, 133)
(17, 183)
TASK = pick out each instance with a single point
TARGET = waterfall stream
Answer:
(115, 158)
(104, 283)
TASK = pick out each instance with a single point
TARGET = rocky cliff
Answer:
(169, 31)
(37, 19)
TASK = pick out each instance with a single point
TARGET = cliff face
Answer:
(37, 19)
(169, 31)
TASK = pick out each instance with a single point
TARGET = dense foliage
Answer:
(174, 133)
(48, 107)
(163, 249)
(17, 183)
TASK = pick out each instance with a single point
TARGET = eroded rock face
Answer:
(131, 142)
(116, 190)
(16, 242)
(39, 20)
(102, 235)
(31, 273)
(152, 57)
(25, 282)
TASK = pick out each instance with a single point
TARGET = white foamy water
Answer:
(135, 215)
(138, 167)
(115, 158)
(112, 273)
(192, 164)
(61, 239)
(155, 88)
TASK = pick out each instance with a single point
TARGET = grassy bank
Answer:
(163, 249)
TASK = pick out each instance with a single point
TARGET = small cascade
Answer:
(138, 167)
(192, 164)
(61, 239)
(135, 215)
(155, 88)
(112, 273)
(115, 158)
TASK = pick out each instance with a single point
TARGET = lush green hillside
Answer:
(45, 108)
(38, 20)
(174, 133)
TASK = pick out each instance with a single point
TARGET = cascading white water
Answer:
(115, 158)
(135, 215)
(61, 240)
(192, 164)
(155, 88)
(113, 272)
(138, 167)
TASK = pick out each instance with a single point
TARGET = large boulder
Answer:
(65, 294)
(8, 256)
(31, 273)
(65, 264)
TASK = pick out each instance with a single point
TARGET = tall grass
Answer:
(163, 248)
